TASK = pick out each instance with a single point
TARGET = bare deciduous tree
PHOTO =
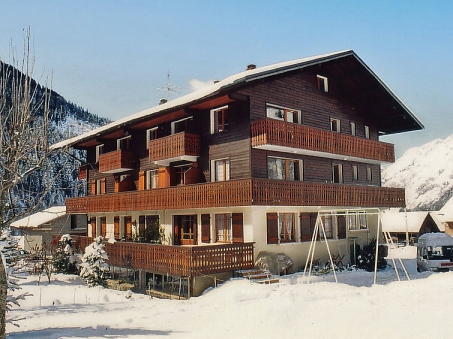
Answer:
(24, 145)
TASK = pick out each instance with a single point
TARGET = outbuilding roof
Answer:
(398, 116)
(37, 219)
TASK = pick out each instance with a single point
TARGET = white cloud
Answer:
(196, 84)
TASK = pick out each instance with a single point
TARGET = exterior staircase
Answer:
(258, 275)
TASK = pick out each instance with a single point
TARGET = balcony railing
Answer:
(181, 146)
(116, 161)
(175, 260)
(246, 192)
(271, 132)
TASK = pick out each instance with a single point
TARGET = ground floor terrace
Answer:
(211, 244)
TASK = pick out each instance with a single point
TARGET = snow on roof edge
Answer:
(205, 92)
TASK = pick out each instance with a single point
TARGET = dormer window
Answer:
(283, 114)
(219, 119)
(323, 83)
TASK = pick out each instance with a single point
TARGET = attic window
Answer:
(323, 84)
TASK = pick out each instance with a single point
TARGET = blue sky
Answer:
(110, 57)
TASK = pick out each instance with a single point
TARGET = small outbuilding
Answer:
(39, 227)
(404, 226)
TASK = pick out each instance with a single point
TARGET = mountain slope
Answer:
(426, 172)
(60, 178)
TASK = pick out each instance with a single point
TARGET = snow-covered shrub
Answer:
(63, 260)
(366, 258)
(93, 264)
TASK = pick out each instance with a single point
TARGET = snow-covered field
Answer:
(293, 308)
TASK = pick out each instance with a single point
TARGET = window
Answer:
(283, 114)
(284, 169)
(151, 179)
(357, 221)
(181, 174)
(151, 134)
(220, 170)
(280, 228)
(286, 227)
(219, 119)
(98, 186)
(183, 125)
(353, 129)
(223, 227)
(328, 227)
(337, 174)
(323, 84)
(355, 173)
(369, 174)
(367, 132)
(99, 151)
(123, 144)
(335, 125)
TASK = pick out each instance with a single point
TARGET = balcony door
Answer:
(185, 230)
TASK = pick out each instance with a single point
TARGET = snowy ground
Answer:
(293, 308)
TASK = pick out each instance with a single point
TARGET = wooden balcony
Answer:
(246, 192)
(116, 161)
(176, 147)
(288, 137)
(186, 261)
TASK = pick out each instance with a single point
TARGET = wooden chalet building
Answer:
(244, 166)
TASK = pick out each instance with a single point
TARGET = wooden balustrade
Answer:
(279, 133)
(116, 161)
(175, 260)
(246, 192)
(174, 146)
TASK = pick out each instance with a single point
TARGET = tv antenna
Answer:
(169, 88)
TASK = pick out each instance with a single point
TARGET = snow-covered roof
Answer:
(223, 85)
(402, 221)
(446, 211)
(39, 218)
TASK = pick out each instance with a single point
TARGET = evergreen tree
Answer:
(93, 264)
(63, 260)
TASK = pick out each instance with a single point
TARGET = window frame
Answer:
(286, 110)
(151, 179)
(226, 169)
(149, 133)
(224, 110)
(299, 170)
(353, 127)
(226, 219)
(355, 173)
(174, 123)
(340, 173)
(366, 130)
(120, 146)
(322, 83)
(99, 151)
(335, 125)
(369, 174)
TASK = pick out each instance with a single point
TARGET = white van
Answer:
(435, 252)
